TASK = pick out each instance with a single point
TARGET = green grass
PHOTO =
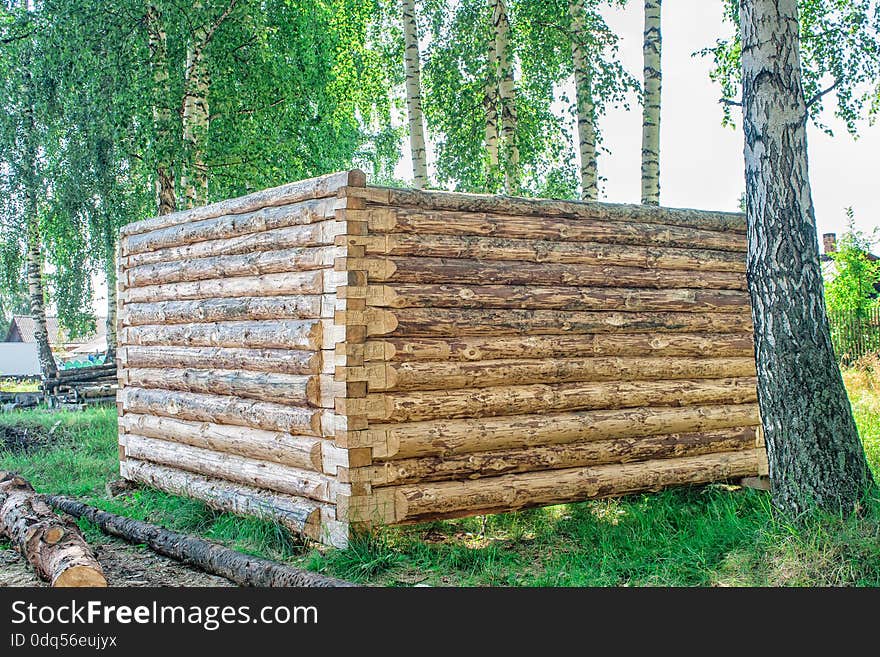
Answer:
(12, 385)
(714, 535)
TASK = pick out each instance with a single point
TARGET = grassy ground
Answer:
(704, 536)
(12, 385)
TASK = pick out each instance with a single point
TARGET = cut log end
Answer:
(80, 576)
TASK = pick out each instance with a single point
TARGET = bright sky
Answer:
(701, 162)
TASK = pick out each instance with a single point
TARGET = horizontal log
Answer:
(449, 437)
(535, 250)
(559, 346)
(269, 333)
(302, 452)
(417, 503)
(435, 200)
(266, 285)
(522, 399)
(297, 514)
(230, 467)
(451, 375)
(261, 386)
(223, 310)
(222, 410)
(443, 222)
(96, 370)
(92, 392)
(251, 264)
(230, 225)
(429, 322)
(512, 272)
(281, 361)
(493, 464)
(319, 234)
(415, 295)
(313, 188)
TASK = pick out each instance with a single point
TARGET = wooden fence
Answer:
(855, 334)
(340, 356)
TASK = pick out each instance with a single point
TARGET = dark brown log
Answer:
(430, 322)
(610, 212)
(510, 272)
(54, 547)
(440, 222)
(243, 569)
(559, 346)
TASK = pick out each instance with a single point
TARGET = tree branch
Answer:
(819, 95)
(728, 101)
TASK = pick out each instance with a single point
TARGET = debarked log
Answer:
(281, 361)
(304, 336)
(222, 410)
(224, 310)
(266, 285)
(493, 464)
(53, 546)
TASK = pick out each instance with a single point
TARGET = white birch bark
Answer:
(507, 95)
(414, 95)
(586, 110)
(651, 106)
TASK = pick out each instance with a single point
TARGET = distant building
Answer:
(21, 329)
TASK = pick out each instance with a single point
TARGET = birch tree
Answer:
(815, 455)
(416, 121)
(651, 49)
(507, 95)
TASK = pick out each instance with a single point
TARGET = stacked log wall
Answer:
(227, 352)
(529, 352)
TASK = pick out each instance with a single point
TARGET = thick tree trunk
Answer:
(54, 547)
(816, 457)
(586, 110)
(651, 105)
(243, 569)
(507, 95)
(166, 198)
(414, 95)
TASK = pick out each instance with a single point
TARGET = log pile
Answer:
(369, 355)
(82, 386)
(52, 545)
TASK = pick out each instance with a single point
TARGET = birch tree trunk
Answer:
(34, 262)
(586, 110)
(194, 177)
(166, 197)
(507, 94)
(110, 273)
(490, 102)
(816, 457)
(414, 95)
(651, 106)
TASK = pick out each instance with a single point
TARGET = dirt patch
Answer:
(124, 565)
(28, 438)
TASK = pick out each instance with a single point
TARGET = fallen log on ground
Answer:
(242, 569)
(53, 546)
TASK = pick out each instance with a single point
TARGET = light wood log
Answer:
(260, 386)
(243, 569)
(518, 491)
(228, 226)
(559, 346)
(230, 467)
(432, 322)
(267, 285)
(222, 410)
(451, 375)
(434, 200)
(523, 399)
(269, 333)
(224, 310)
(449, 437)
(510, 272)
(493, 464)
(304, 452)
(308, 235)
(299, 515)
(409, 295)
(92, 392)
(303, 190)
(54, 547)
(440, 222)
(255, 263)
(281, 361)
(532, 250)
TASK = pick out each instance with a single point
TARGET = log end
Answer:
(80, 576)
